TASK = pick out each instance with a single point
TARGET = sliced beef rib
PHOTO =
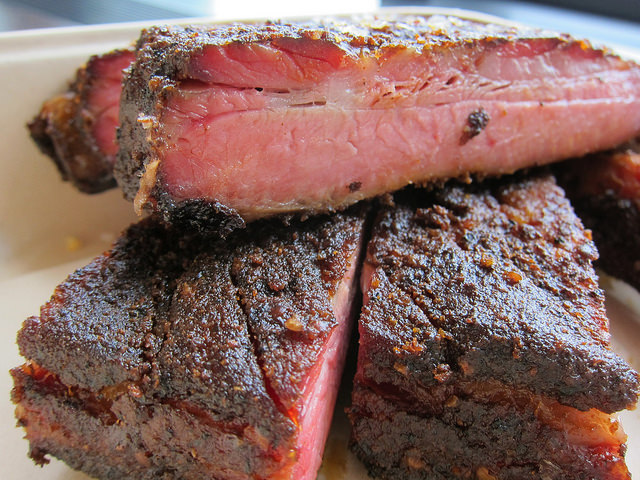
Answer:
(277, 118)
(179, 356)
(484, 343)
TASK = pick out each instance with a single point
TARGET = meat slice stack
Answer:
(178, 356)
(484, 344)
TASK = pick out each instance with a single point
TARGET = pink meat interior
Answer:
(103, 98)
(296, 123)
(321, 389)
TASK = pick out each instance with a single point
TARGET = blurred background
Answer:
(615, 22)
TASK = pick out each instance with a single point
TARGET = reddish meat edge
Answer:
(321, 390)
(302, 122)
(313, 414)
(77, 129)
(591, 431)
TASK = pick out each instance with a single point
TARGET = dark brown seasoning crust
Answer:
(164, 56)
(605, 191)
(615, 223)
(204, 217)
(477, 121)
(484, 308)
(353, 35)
(492, 281)
(62, 131)
(198, 362)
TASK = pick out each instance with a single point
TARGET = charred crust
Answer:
(60, 133)
(477, 121)
(476, 319)
(603, 189)
(440, 254)
(619, 254)
(213, 337)
(38, 131)
(204, 217)
(354, 186)
(370, 33)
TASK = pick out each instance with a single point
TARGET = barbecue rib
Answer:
(178, 356)
(484, 344)
(266, 119)
(605, 191)
(77, 129)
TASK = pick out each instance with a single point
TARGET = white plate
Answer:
(47, 229)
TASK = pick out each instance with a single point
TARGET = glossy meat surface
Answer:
(277, 118)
